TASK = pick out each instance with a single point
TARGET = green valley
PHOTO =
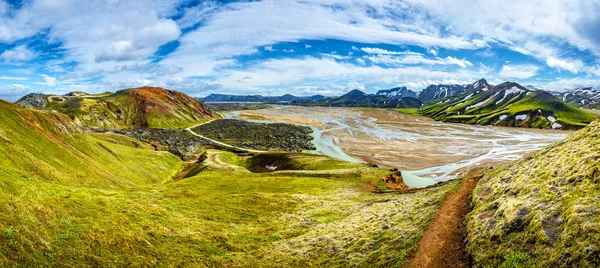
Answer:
(74, 198)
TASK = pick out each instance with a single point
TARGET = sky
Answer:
(301, 47)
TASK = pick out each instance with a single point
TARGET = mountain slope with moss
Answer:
(542, 210)
(135, 107)
(508, 104)
(80, 199)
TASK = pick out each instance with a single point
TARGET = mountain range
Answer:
(357, 98)
(134, 107)
(259, 98)
(397, 93)
(508, 104)
(581, 97)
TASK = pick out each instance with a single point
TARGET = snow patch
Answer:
(271, 168)
(502, 117)
(521, 117)
(551, 119)
(467, 97)
(512, 90)
(556, 125)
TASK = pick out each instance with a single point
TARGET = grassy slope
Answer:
(568, 116)
(68, 198)
(141, 107)
(543, 209)
(48, 145)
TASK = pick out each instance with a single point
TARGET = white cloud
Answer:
(13, 78)
(142, 44)
(379, 51)
(18, 53)
(356, 85)
(568, 84)
(335, 56)
(413, 58)
(13, 91)
(571, 66)
(268, 48)
(460, 62)
(48, 80)
(115, 41)
(311, 71)
(519, 71)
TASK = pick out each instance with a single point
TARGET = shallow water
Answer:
(425, 150)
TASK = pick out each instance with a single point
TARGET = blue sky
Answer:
(302, 47)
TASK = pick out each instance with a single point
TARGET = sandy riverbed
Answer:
(417, 145)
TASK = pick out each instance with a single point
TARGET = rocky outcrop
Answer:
(178, 142)
(395, 181)
(268, 137)
(33, 101)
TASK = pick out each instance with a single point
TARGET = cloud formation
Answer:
(317, 46)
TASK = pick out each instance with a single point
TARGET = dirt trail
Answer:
(442, 244)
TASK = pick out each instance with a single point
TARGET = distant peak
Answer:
(356, 91)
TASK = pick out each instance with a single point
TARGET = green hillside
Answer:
(541, 210)
(509, 104)
(70, 198)
(134, 107)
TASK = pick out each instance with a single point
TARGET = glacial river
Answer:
(425, 150)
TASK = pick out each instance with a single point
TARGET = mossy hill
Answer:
(129, 108)
(80, 199)
(508, 104)
(542, 210)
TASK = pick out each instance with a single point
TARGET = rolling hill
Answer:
(542, 210)
(129, 108)
(508, 104)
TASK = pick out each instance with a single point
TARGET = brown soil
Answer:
(442, 244)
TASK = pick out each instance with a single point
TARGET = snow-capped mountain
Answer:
(437, 92)
(508, 104)
(581, 97)
(397, 93)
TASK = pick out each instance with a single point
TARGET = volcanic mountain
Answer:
(134, 107)
(508, 104)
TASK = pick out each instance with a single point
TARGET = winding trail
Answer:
(221, 143)
(442, 244)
